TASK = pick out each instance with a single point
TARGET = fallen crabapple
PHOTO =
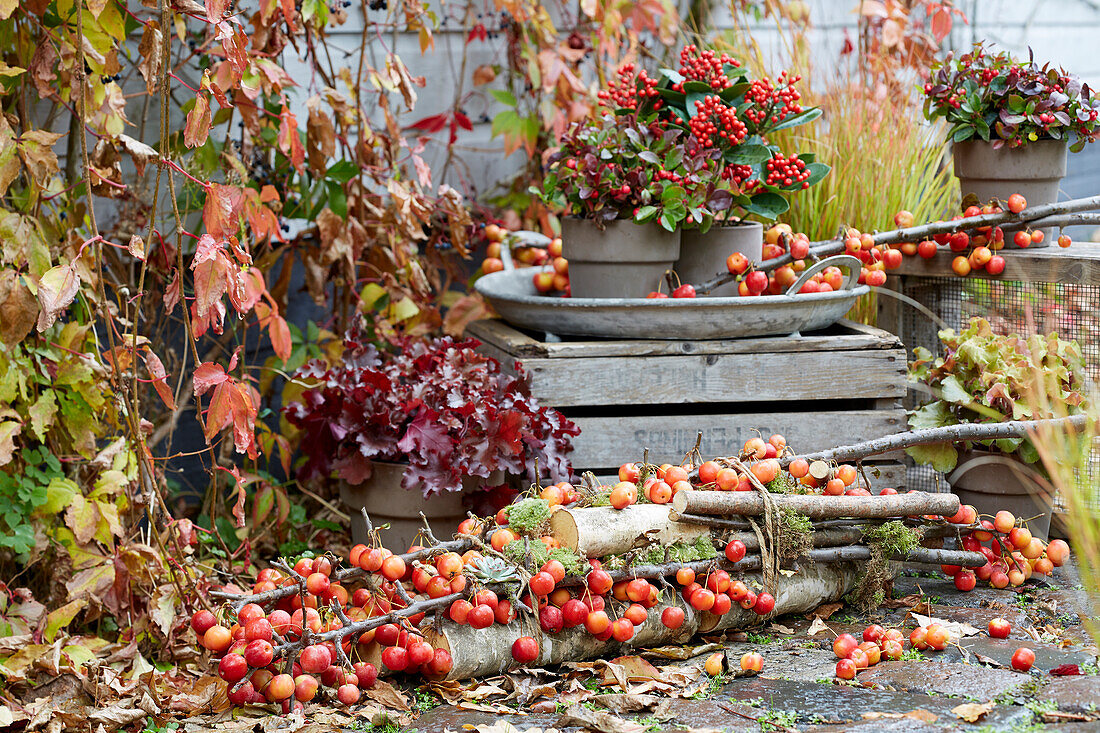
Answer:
(999, 628)
(1022, 659)
(752, 662)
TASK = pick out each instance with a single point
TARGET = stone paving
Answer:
(796, 690)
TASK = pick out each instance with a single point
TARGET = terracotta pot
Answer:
(995, 481)
(624, 260)
(1035, 171)
(387, 503)
(703, 255)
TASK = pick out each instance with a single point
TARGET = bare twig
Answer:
(951, 433)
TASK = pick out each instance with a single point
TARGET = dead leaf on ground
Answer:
(781, 629)
(494, 708)
(388, 695)
(483, 691)
(680, 652)
(955, 628)
(631, 703)
(208, 694)
(918, 714)
(910, 601)
(825, 610)
(505, 727)
(597, 721)
(972, 712)
(817, 627)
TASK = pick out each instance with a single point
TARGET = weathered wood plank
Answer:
(846, 335)
(1080, 264)
(868, 374)
(499, 334)
(879, 475)
(607, 442)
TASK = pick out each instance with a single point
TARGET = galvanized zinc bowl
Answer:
(513, 296)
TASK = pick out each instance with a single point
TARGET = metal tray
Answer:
(512, 294)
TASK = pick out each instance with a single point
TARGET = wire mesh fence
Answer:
(1025, 308)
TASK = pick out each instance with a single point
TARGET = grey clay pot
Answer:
(624, 260)
(995, 481)
(1035, 171)
(387, 503)
(703, 255)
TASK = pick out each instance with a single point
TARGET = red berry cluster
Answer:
(771, 103)
(623, 93)
(740, 175)
(663, 175)
(713, 117)
(786, 172)
(705, 66)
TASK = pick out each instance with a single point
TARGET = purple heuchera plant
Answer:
(439, 405)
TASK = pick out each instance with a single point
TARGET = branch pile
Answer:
(667, 553)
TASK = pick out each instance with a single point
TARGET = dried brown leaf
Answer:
(972, 712)
(18, 308)
(595, 720)
(151, 50)
(825, 610)
(388, 695)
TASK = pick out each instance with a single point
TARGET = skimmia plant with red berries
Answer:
(684, 148)
(995, 98)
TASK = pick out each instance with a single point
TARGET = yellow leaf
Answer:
(403, 309)
(426, 39)
(61, 617)
(79, 655)
(7, 7)
(15, 666)
(109, 524)
(6, 70)
(370, 295)
(58, 495)
(82, 518)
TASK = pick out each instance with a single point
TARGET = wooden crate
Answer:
(820, 390)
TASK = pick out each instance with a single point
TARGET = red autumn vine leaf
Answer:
(220, 413)
(160, 379)
(207, 376)
(433, 123)
(245, 407)
(280, 337)
(215, 9)
(235, 46)
(198, 124)
(172, 292)
(210, 281)
(290, 143)
(218, 211)
(289, 12)
(941, 23)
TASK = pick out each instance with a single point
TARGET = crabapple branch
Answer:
(950, 433)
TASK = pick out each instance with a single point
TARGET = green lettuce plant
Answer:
(986, 377)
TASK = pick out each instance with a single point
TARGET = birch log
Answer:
(478, 652)
(750, 503)
(599, 531)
